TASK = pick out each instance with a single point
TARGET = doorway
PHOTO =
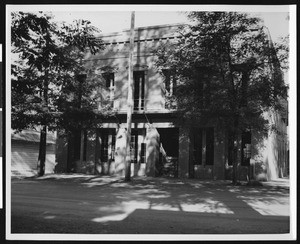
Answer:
(169, 151)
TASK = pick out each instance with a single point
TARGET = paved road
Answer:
(104, 205)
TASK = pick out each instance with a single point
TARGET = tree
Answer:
(227, 73)
(46, 56)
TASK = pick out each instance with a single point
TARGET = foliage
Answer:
(282, 50)
(226, 70)
(33, 51)
(46, 66)
(81, 105)
(228, 74)
(47, 61)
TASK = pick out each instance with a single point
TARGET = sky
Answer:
(114, 18)
(114, 21)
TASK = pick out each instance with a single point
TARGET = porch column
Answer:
(152, 150)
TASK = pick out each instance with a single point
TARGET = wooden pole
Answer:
(129, 100)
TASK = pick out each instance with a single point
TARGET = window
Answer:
(134, 146)
(113, 146)
(85, 140)
(246, 148)
(143, 152)
(230, 149)
(104, 147)
(77, 144)
(197, 149)
(109, 78)
(210, 146)
(108, 141)
(139, 90)
(203, 148)
(170, 82)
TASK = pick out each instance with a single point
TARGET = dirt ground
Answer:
(81, 204)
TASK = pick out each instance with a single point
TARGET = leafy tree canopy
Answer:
(47, 61)
(227, 70)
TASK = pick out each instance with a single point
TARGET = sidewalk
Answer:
(102, 180)
(280, 182)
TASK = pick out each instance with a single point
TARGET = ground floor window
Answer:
(85, 139)
(203, 146)
(143, 152)
(134, 146)
(137, 146)
(246, 148)
(210, 146)
(108, 141)
(197, 147)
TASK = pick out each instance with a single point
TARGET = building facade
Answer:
(159, 146)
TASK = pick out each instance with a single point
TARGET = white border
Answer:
(292, 118)
(154, 237)
(293, 121)
(150, 7)
(8, 124)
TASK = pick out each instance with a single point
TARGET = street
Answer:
(106, 205)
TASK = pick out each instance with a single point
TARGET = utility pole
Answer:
(129, 100)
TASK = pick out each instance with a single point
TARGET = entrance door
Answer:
(169, 148)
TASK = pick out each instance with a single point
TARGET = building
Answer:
(25, 151)
(159, 147)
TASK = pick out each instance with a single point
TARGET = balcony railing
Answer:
(139, 105)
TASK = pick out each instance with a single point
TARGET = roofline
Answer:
(107, 34)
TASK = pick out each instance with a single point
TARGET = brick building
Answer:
(159, 147)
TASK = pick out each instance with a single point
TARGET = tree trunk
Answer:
(42, 151)
(43, 137)
(129, 101)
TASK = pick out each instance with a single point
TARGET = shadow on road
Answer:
(147, 206)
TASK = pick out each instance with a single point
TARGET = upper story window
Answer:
(139, 90)
(109, 78)
(170, 82)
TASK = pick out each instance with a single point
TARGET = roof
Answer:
(32, 136)
(142, 33)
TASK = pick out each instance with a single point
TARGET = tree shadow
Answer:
(149, 205)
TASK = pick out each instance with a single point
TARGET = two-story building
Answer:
(159, 146)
